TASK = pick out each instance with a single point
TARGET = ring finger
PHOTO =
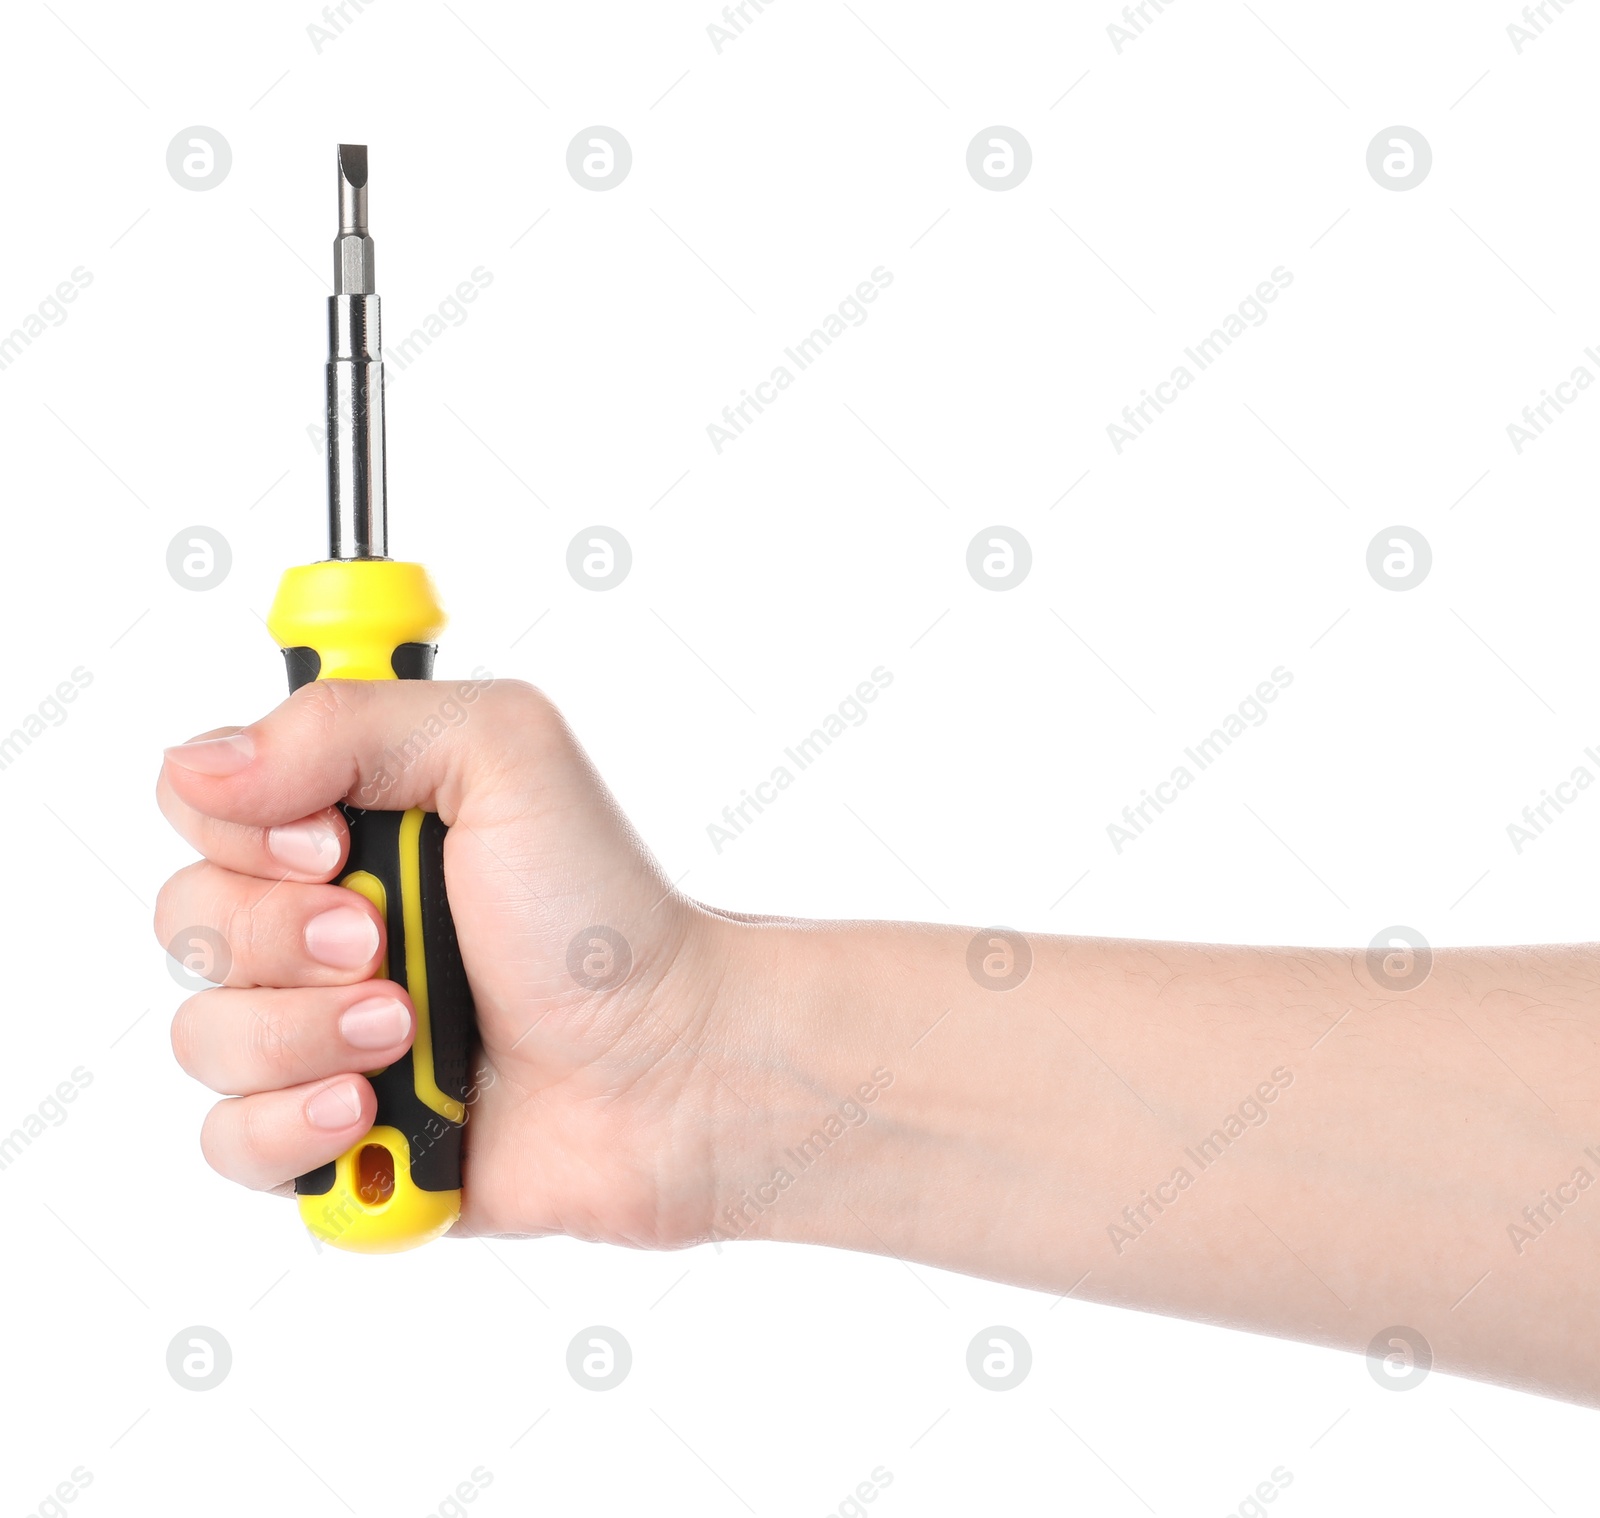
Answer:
(239, 1042)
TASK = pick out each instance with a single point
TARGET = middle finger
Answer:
(284, 933)
(242, 1042)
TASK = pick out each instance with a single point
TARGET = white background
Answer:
(767, 181)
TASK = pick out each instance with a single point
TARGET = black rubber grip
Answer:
(376, 843)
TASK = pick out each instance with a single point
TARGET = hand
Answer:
(1178, 1127)
(594, 1112)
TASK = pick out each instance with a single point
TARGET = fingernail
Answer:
(345, 938)
(379, 1022)
(214, 756)
(310, 847)
(335, 1106)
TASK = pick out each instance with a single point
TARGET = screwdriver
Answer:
(360, 615)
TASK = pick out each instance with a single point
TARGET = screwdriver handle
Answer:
(400, 1185)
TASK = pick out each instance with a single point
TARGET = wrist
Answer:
(823, 1148)
(898, 1106)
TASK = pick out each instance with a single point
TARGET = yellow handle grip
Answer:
(372, 619)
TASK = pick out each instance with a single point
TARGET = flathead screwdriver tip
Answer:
(352, 188)
(352, 248)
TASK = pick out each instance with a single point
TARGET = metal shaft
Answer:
(357, 489)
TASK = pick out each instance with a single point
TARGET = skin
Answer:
(1383, 1143)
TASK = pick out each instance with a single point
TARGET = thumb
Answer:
(468, 750)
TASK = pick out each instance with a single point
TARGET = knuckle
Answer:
(240, 930)
(324, 702)
(269, 1048)
(519, 700)
(524, 713)
(253, 1134)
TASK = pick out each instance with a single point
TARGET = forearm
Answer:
(1255, 1137)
